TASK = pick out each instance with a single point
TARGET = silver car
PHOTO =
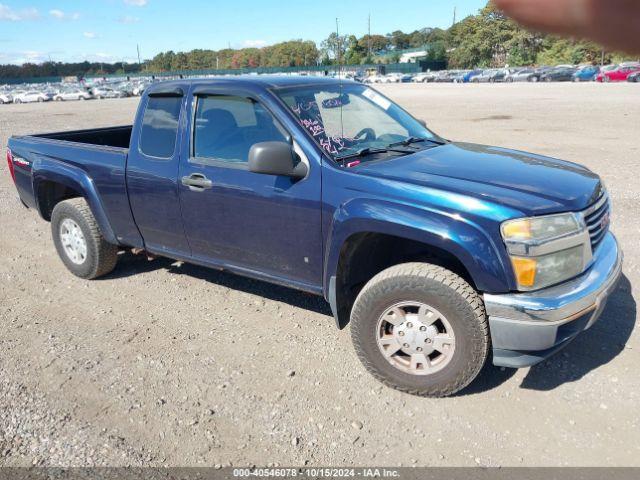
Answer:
(72, 94)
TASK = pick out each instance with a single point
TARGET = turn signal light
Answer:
(525, 270)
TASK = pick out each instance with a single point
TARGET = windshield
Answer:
(351, 118)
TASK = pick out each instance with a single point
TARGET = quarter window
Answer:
(226, 127)
(160, 126)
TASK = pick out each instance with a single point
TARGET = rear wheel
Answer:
(78, 240)
(420, 329)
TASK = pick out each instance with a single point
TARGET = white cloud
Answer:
(254, 43)
(136, 3)
(90, 35)
(29, 56)
(20, 58)
(60, 15)
(128, 19)
(10, 15)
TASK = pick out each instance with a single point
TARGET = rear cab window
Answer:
(160, 126)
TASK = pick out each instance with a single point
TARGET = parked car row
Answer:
(63, 92)
(562, 73)
(59, 92)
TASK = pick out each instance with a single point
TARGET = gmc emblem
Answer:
(606, 220)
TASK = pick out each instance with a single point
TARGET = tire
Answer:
(18, 101)
(100, 257)
(440, 291)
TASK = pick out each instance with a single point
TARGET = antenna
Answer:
(338, 46)
(455, 11)
(369, 42)
(340, 76)
(138, 47)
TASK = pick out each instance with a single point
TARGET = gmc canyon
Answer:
(437, 253)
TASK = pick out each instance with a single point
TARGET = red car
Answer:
(619, 74)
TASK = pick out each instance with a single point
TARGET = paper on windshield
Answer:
(377, 99)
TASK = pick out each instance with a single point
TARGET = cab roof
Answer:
(265, 82)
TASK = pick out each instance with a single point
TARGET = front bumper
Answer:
(527, 328)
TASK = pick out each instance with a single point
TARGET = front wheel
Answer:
(78, 240)
(420, 329)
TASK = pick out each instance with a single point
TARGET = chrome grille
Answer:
(597, 218)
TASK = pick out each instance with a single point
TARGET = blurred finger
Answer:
(614, 23)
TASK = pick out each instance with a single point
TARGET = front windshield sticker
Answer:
(377, 99)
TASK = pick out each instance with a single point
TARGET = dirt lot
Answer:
(161, 364)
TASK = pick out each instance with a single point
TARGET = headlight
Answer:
(547, 250)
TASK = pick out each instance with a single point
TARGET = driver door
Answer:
(265, 225)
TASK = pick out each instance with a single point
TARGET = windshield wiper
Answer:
(363, 152)
(411, 140)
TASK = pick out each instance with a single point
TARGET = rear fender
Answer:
(46, 169)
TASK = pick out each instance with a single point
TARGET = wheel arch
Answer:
(54, 182)
(359, 247)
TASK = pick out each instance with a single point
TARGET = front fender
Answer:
(470, 243)
(47, 169)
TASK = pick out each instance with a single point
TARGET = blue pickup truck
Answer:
(437, 253)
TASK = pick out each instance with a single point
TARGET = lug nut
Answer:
(419, 349)
(401, 334)
(406, 345)
(409, 325)
(428, 341)
(423, 329)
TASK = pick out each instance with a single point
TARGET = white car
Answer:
(5, 98)
(392, 78)
(72, 94)
(31, 96)
(374, 79)
(424, 77)
(107, 92)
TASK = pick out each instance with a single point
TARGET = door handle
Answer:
(197, 182)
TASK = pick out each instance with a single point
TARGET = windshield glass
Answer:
(347, 119)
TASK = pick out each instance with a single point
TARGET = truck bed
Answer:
(90, 162)
(117, 137)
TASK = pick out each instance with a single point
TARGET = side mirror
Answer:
(422, 122)
(276, 158)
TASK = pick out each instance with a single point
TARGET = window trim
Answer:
(176, 143)
(215, 162)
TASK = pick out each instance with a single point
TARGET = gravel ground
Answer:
(176, 365)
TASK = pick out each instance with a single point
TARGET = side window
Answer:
(160, 126)
(226, 128)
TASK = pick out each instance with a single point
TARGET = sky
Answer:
(109, 30)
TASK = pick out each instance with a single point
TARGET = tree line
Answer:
(488, 39)
(59, 69)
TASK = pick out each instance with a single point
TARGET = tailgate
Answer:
(20, 169)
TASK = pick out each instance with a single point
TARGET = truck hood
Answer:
(532, 184)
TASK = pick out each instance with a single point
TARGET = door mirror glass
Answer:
(276, 158)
